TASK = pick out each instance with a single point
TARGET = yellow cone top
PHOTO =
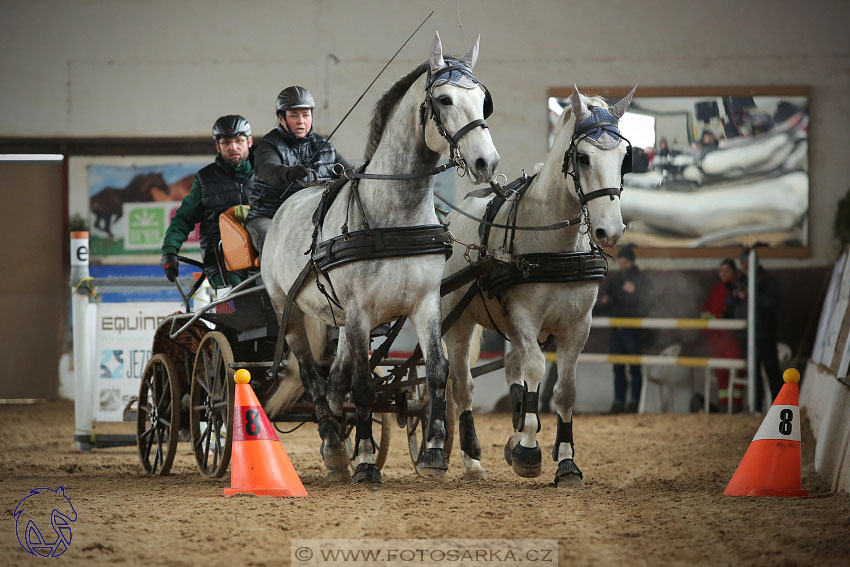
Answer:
(242, 376)
(791, 376)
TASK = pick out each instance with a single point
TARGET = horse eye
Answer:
(584, 159)
(445, 100)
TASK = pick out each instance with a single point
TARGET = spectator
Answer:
(708, 141)
(767, 306)
(724, 344)
(626, 295)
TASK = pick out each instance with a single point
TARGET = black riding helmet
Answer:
(294, 97)
(230, 126)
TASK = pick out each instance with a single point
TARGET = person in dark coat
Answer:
(288, 159)
(226, 182)
(767, 307)
(626, 294)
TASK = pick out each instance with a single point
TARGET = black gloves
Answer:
(296, 172)
(169, 263)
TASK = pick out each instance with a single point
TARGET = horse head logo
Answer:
(36, 506)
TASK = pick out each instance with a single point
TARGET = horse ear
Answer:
(470, 58)
(579, 107)
(620, 108)
(435, 58)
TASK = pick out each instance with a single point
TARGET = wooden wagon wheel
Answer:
(417, 418)
(383, 422)
(212, 404)
(158, 418)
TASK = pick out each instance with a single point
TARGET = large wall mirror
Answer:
(714, 168)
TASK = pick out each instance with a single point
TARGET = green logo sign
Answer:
(146, 227)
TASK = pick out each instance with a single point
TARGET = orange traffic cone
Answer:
(771, 466)
(259, 464)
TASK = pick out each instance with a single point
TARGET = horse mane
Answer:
(386, 104)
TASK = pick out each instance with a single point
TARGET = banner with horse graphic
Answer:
(131, 206)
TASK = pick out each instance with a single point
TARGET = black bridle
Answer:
(430, 104)
(571, 157)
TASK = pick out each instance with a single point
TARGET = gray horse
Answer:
(438, 108)
(580, 180)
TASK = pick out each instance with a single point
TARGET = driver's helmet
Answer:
(294, 97)
(230, 126)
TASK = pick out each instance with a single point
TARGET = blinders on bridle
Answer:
(429, 103)
(571, 158)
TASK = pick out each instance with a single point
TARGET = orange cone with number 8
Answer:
(771, 466)
(258, 465)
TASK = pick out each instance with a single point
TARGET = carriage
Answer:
(187, 388)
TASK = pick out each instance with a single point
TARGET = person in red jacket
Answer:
(724, 344)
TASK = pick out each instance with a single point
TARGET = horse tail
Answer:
(290, 387)
(317, 336)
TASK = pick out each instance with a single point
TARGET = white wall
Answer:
(169, 68)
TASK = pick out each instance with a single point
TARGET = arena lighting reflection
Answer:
(31, 157)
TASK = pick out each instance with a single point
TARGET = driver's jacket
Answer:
(279, 151)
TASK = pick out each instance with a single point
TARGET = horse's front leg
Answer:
(333, 450)
(459, 339)
(363, 390)
(525, 365)
(433, 462)
(564, 398)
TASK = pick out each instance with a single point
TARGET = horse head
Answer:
(596, 156)
(459, 105)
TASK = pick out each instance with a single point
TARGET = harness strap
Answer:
(382, 243)
(612, 191)
(555, 226)
(474, 124)
(551, 267)
(280, 347)
(352, 174)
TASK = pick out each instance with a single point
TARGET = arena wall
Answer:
(103, 68)
(826, 402)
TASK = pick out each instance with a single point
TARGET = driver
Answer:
(283, 161)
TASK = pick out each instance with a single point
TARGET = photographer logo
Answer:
(43, 521)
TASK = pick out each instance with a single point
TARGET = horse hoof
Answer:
(334, 454)
(473, 469)
(341, 475)
(526, 462)
(367, 474)
(433, 464)
(475, 474)
(568, 475)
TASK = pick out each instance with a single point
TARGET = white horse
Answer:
(581, 179)
(438, 108)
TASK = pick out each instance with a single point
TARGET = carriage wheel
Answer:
(211, 417)
(417, 418)
(158, 418)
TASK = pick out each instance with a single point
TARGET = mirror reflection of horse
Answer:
(438, 108)
(581, 180)
(107, 204)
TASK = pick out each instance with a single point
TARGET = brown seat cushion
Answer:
(239, 251)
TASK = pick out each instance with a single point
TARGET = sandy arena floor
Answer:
(653, 495)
